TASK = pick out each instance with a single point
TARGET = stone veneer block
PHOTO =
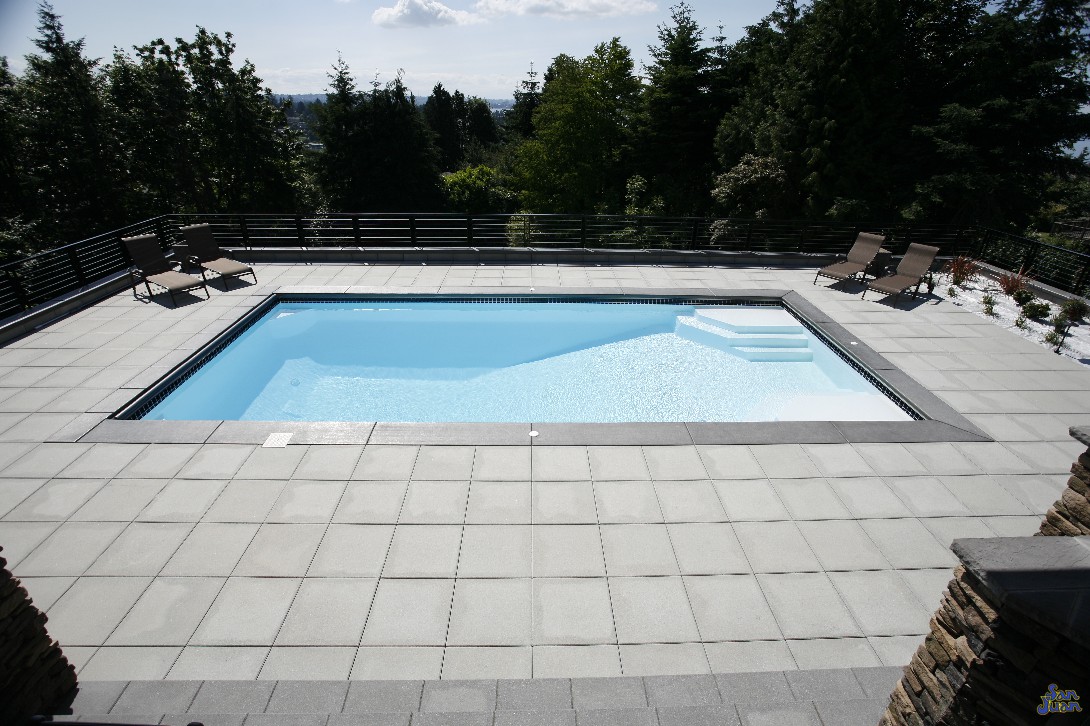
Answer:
(1014, 622)
(35, 677)
(1070, 515)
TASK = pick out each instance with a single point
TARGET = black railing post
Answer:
(696, 228)
(18, 289)
(583, 231)
(982, 244)
(1030, 256)
(412, 231)
(299, 231)
(356, 229)
(73, 259)
(244, 229)
(469, 230)
(1081, 279)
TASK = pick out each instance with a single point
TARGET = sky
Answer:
(481, 47)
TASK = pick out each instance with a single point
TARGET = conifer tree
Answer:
(576, 161)
(63, 144)
(677, 126)
(443, 120)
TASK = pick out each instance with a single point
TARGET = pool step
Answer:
(781, 355)
(750, 319)
(778, 346)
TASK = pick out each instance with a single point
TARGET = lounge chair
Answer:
(152, 266)
(913, 267)
(860, 256)
(204, 251)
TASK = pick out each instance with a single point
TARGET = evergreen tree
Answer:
(576, 160)
(338, 125)
(63, 144)
(1001, 126)
(150, 106)
(520, 119)
(250, 161)
(380, 155)
(678, 122)
(443, 119)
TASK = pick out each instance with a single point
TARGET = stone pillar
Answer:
(1012, 632)
(35, 677)
(1070, 515)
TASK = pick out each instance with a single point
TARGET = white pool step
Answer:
(750, 319)
(783, 355)
(768, 345)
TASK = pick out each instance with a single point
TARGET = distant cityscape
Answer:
(496, 104)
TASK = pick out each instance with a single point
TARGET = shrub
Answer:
(930, 283)
(1023, 296)
(951, 291)
(1075, 309)
(989, 305)
(1059, 322)
(1036, 309)
(521, 230)
(962, 269)
(1012, 282)
(1056, 340)
(1020, 322)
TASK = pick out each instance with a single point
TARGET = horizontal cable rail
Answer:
(34, 280)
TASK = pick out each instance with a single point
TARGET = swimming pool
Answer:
(518, 361)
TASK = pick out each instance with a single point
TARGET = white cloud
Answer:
(421, 13)
(565, 8)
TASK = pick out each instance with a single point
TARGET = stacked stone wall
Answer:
(35, 677)
(982, 664)
(1070, 515)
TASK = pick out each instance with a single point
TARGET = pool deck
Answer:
(388, 560)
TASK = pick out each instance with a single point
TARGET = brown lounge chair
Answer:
(910, 272)
(204, 251)
(860, 255)
(152, 266)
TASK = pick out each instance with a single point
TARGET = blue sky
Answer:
(482, 47)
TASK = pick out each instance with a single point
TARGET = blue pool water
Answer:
(525, 362)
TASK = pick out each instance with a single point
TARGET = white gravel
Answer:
(1077, 345)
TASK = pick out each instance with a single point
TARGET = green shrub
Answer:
(1023, 296)
(1075, 309)
(1020, 322)
(989, 305)
(951, 291)
(1036, 309)
(1056, 340)
(1059, 322)
(521, 230)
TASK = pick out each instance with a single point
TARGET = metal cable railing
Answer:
(33, 280)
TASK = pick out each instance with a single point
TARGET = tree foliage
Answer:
(463, 126)
(176, 128)
(379, 154)
(677, 123)
(870, 110)
(576, 161)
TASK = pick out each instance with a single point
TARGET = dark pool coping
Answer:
(939, 422)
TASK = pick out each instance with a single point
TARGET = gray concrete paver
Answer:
(854, 511)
